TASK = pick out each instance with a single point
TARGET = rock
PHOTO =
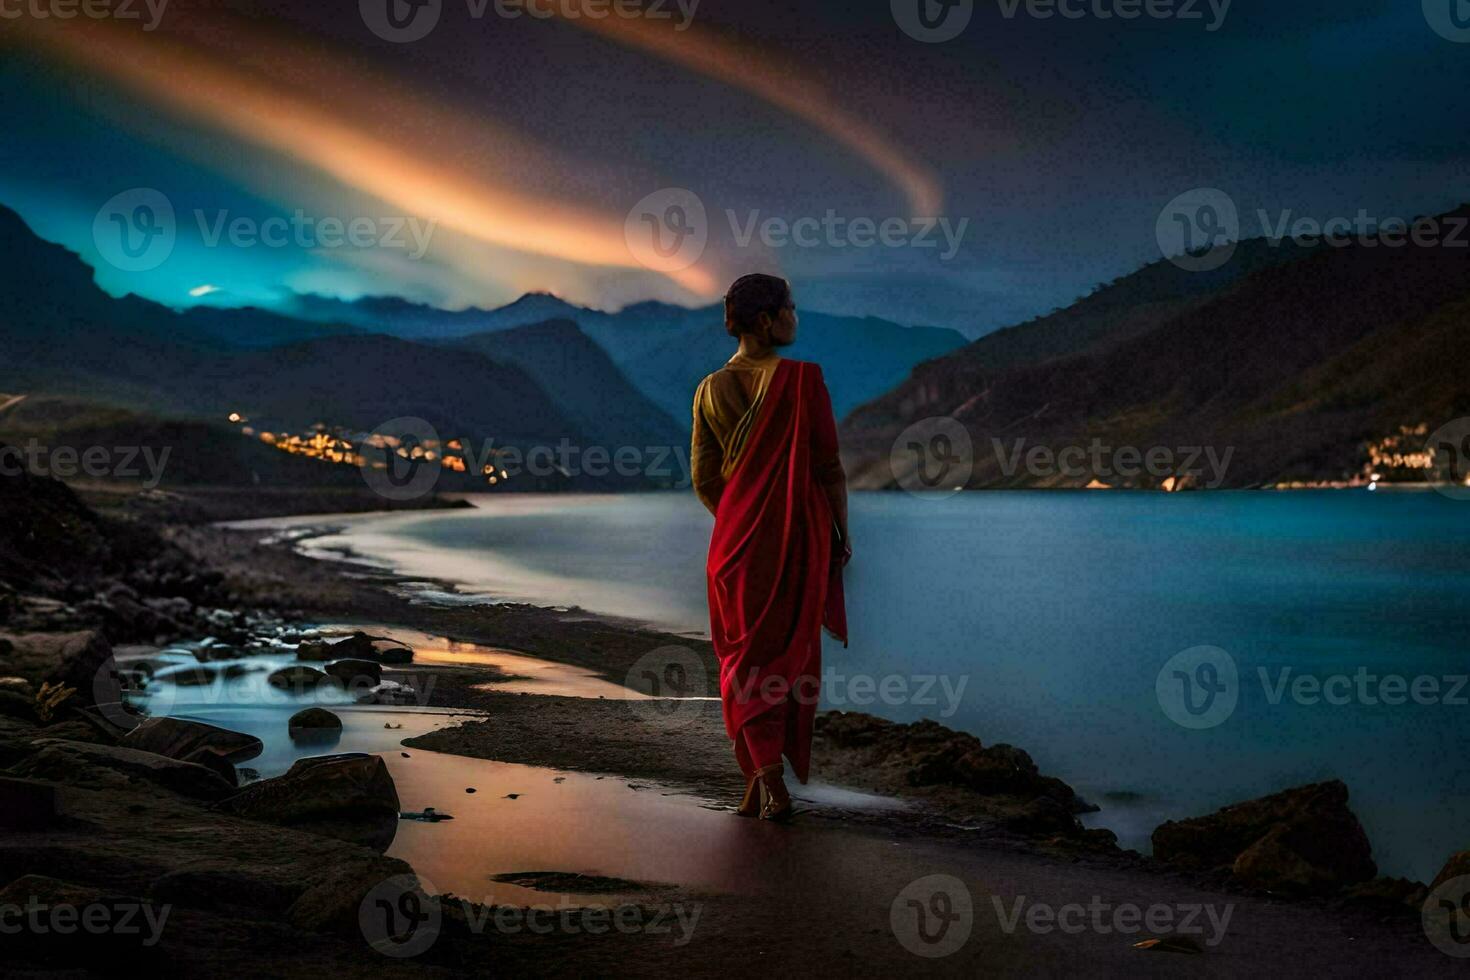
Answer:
(18, 685)
(358, 646)
(81, 660)
(356, 673)
(126, 617)
(297, 678)
(19, 706)
(80, 948)
(927, 753)
(215, 889)
(216, 762)
(1303, 840)
(179, 739)
(998, 769)
(26, 804)
(1455, 867)
(104, 766)
(335, 903)
(1388, 891)
(198, 675)
(314, 725)
(350, 797)
(78, 728)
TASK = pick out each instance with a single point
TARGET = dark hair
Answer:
(749, 297)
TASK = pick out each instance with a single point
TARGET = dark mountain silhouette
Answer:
(61, 335)
(1294, 359)
(664, 350)
(60, 330)
(583, 380)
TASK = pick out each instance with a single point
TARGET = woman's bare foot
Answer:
(750, 806)
(776, 800)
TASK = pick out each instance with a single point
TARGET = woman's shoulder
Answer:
(810, 368)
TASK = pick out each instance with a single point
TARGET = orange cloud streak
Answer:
(749, 69)
(309, 131)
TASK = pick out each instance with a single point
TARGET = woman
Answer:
(765, 464)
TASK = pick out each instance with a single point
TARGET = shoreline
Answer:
(975, 813)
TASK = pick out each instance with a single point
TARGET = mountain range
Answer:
(1288, 360)
(538, 372)
(665, 350)
(1292, 359)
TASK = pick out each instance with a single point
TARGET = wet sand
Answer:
(603, 787)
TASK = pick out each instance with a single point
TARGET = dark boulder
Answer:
(179, 739)
(314, 725)
(356, 673)
(1301, 841)
(1456, 867)
(198, 675)
(81, 660)
(297, 678)
(114, 767)
(358, 646)
(26, 804)
(927, 753)
(350, 797)
(1387, 892)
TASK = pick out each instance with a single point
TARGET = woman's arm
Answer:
(705, 456)
(837, 497)
(827, 468)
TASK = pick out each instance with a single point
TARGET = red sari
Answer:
(773, 583)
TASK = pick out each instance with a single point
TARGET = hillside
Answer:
(586, 384)
(1292, 366)
(179, 375)
(664, 350)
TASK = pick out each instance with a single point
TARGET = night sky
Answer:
(526, 142)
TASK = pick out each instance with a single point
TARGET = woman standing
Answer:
(765, 464)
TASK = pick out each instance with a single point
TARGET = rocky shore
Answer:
(164, 819)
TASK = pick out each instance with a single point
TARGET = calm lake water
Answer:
(1047, 619)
